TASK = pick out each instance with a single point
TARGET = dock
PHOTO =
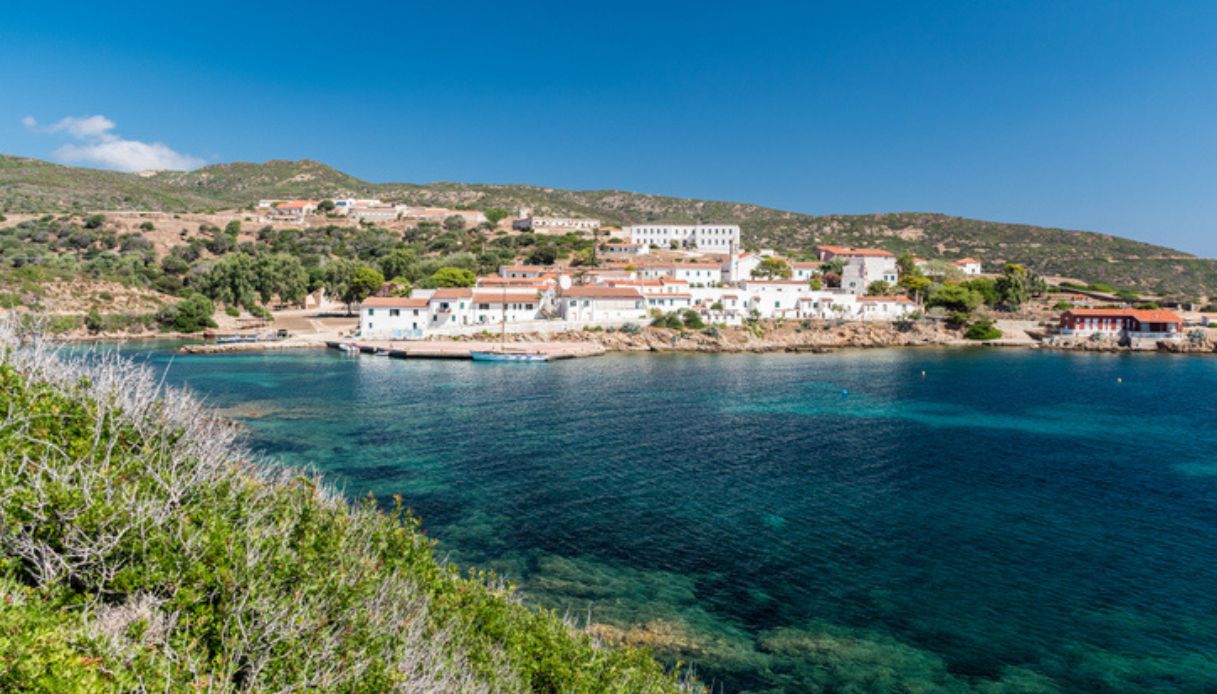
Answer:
(464, 350)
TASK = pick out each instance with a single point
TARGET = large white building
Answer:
(720, 238)
(591, 304)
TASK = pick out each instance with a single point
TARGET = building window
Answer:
(394, 312)
(371, 312)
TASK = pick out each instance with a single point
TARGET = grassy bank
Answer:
(142, 549)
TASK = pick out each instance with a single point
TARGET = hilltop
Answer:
(33, 186)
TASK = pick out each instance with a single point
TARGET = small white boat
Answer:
(348, 347)
(518, 357)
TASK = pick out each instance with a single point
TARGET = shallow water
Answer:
(1012, 521)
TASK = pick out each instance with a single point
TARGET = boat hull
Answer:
(509, 357)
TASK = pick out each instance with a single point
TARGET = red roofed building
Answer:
(1120, 323)
(829, 252)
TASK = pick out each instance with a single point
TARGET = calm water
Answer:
(1011, 521)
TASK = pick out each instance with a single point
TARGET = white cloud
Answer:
(98, 145)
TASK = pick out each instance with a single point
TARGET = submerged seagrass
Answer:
(141, 549)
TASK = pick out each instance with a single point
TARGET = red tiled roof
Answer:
(846, 250)
(1143, 315)
(965, 261)
(897, 299)
(505, 297)
(452, 293)
(294, 204)
(393, 302)
(595, 292)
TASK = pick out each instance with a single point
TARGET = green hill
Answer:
(28, 185)
(141, 550)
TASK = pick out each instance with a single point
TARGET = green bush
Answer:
(982, 330)
(232, 311)
(141, 552)
(631, 328)
(692, 319)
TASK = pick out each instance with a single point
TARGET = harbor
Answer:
(550, 351)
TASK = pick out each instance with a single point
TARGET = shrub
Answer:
(259, 311)
(982, 330)
(692, 319)
(232, 311)
(631, 328)
(143, 553)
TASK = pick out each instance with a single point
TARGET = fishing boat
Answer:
(496, 355)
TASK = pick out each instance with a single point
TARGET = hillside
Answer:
(32, 186)
(140, 550)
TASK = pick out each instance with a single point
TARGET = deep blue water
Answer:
(1012, 521)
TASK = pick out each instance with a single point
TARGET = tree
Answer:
(453, 277)
(189, 315)
(364, 282)
(1013, 287)
(815, 282)
(878, 288)
(402, 287)
(987, 289)
(982, 330)
(401, 262)
(915, 286)
(340, 278)
(542, 255)
(586, 257)
(232, 230)
(95, 221)
(954, 298)
(454, 223)
(231, 280)
(772, 267)
(281, 275)
(326, 206)
(494, 215)
(906, 264)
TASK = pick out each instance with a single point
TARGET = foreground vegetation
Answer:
(141, 550)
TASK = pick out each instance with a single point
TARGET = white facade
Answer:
(601, 304)
(969, 266)
(556, 224)
(707, 237)
(773, 298)
(804, 271)
(861, 270)
(389, 318)
(669, 301)
(626, 248)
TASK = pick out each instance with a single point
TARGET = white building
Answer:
(591, 304)
(720, 238)
(773, 298)
(669, 301)
(294, 210)
(802, 270)
(884, 308)
(554, 225)
(532, 271)
(625, 248)
(863, 269)
(739, 266)
(969, 266)
(492, 307)
(390, 318)
(373, 213)
(439, 214)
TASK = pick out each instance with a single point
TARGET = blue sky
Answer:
(1087, 115)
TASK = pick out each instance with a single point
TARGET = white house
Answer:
(802, 270)
(294, 210)
(861, 270)
(492, 307)
(389, 317)
(669, 301)
(594, 304)
(450, 307)
(828, 305)
(555, 224)
(625, 248)
(969, 266)
(884, 308)
(739, 266)
(773, 298)
(706, 237)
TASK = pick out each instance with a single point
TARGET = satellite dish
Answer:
(564, 281)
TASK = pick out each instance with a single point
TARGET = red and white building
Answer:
(969, 266)
(1119, 323)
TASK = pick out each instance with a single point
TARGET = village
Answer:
(690, 275)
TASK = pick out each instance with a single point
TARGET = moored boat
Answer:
(509, 356)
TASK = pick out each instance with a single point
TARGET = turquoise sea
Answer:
(861, 521)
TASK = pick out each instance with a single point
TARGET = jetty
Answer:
(426, 349)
